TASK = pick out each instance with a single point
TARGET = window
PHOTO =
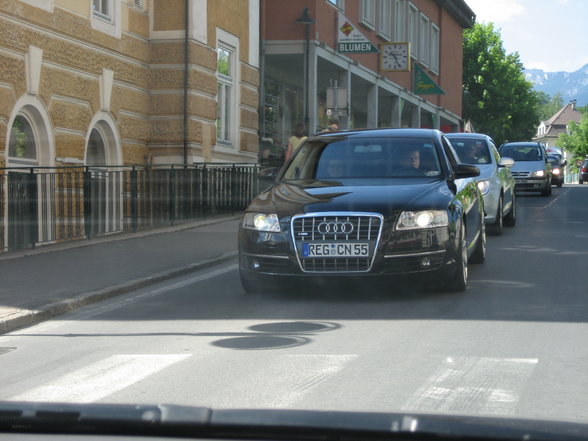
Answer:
(434, 48)
(224, 93)
(106, 16)
(102, 9)
(368, 13)
(424, 42)
(413, 29)
(22, 145)
(400, 20)
(340, 4)
(385, 19)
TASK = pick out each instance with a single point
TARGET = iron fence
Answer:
(53, 204)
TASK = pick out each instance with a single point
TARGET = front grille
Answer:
(521, 174)
(358, 228)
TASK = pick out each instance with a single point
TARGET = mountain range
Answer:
(571, 85)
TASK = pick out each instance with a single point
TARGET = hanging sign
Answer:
(350, 40)
(424, 84)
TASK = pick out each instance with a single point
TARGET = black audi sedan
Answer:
(382, 203)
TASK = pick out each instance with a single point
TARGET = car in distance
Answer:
(495, 181)
(531, 170)
(381, 203)
(583, 172)
(557, 169)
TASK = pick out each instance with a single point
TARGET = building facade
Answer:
(117, 82)
(308, 76)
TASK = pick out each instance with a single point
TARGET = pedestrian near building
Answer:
(295, 140)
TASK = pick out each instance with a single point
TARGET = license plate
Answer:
(336, 249)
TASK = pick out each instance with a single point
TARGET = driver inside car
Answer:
(410, 158)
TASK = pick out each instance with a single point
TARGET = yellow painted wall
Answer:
(80, 7)
(168, 15)
(233, 17)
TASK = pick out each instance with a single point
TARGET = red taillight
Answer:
(584, 170)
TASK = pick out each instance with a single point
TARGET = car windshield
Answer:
(471, 151)
(522, 153)
(356, 157)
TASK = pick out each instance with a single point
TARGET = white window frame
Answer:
(339, 4)
(230, 43)
(424, 40)
(385, 19)
(368, 13)
(399, 30)
(435, 47)
(108, 23)
(413, 19)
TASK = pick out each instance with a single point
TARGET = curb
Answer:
(24, 318)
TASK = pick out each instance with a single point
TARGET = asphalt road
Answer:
(514, 344)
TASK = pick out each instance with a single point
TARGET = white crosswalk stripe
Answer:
(474, 385)
(101, 379)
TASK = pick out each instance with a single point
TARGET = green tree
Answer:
(575, 139)
(497, 98)
(549, 106)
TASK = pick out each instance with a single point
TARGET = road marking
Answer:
(478, 385)
(557, 198)
(101, 379)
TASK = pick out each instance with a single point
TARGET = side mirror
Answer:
(268, 173)
(466, 171)
(506, 162)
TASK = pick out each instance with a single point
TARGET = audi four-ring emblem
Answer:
(325, 228)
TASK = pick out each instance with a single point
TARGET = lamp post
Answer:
(306, 21)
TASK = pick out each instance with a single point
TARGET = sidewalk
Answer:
(48, 281)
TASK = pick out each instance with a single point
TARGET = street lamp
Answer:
(306, 21)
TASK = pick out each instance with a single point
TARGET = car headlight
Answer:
(556, 171)
(484, 186)
(261, 222)
(412, 220)
(539, 173)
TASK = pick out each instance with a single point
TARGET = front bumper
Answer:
(531, 184)
(396, 253)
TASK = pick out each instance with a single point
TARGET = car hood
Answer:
(385, 196)
(205, 423)
(527, 166)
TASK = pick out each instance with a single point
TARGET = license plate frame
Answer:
(321, 250)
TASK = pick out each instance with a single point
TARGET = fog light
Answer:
(255, 264)
(425, 262)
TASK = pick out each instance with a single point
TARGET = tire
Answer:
(479, 254)
(496, 228)
(510, 220)
(546, 191)
(459, 280)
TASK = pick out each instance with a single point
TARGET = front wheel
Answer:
(510, 219)
(496, 228)
(546, 191)
(460, 278)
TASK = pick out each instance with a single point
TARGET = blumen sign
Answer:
(350, 40)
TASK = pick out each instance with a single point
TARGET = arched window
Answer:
(22, 145)
(96, 154)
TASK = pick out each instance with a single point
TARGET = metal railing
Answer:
(54, 204)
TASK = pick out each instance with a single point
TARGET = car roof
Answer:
(522, 143)
(397, 133)
(467, 135)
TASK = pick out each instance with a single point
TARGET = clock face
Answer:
(395, 56)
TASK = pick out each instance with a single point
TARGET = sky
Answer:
(551, 35)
